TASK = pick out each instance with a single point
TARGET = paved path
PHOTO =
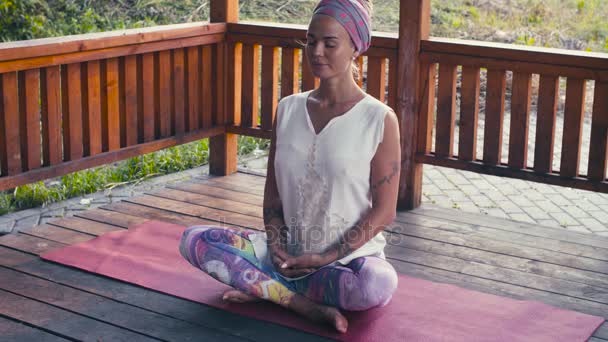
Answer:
(575, 210)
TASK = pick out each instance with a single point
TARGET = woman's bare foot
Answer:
(236, 296)
(318, 312)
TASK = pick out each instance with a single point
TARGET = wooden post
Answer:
(414, 26)
(223, 148)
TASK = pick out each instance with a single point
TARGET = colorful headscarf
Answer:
(353, 16)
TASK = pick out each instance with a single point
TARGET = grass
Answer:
(570, 24)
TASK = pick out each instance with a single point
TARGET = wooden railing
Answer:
(71, 103)
(441, 58)
(268, 48)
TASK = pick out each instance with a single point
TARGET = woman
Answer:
(331, 188)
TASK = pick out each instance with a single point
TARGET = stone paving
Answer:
(572, 209)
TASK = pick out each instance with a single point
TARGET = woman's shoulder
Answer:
(380, 107)
(289, 99)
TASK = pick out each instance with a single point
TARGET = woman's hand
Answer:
(279, 257)
(306, 261)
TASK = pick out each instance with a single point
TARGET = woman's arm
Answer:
(274, 221)
(385, 171)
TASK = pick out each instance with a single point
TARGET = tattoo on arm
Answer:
(386, 179)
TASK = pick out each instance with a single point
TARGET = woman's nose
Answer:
(317, 49)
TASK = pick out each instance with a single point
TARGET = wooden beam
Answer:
(414, 26)
(223, 148)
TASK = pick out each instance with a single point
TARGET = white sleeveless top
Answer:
(324, 179)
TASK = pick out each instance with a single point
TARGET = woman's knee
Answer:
(197, 234)
(377, 281)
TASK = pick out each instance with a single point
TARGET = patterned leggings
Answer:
(228, 256)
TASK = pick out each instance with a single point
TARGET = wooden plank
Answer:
(17, 331)
(29, 86)
(56, 234)
(61, 321)
(10, 156)
(376, 77)
(148, 80)
(83, 225)
(180, 92)
(105, 158)
(426, 122)
(103, 40)
(516, 53)
(210, 214)
(359, 66)
(446, 111)
(161, 214)
(515, 66)
(294, 32)
(92, 142)
(545, 124)
(234, 77)
(205, 189)
(392, 83)
(194, 83)
(520, 120)
(51, 115)
(79, 57)
(72, 112)
(469, 112)
(591, 261)
(131, 321)
(518, 271)
(207, 88)
(165, 112)
(249, 89)
(131, 93)
(520, 227)
(494, 114)
(113, 108)
(501, 275)
(210, 201)
(29, 244)
(574, 115)
(270, 81)
(203, 316)
(598, 150)
(289, 71)
(108, 217)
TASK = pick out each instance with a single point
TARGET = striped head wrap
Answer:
(353, 16)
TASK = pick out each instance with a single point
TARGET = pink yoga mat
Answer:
(148, 255)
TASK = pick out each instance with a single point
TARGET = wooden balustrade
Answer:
(523, 63)
(75, 102)
(271, 65)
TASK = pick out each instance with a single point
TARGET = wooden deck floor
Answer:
(42, 301)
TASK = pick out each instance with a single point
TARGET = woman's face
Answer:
(329, 49)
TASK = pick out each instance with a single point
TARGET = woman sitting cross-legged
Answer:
(331, 189)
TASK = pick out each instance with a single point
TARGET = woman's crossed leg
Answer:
(228, 256)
